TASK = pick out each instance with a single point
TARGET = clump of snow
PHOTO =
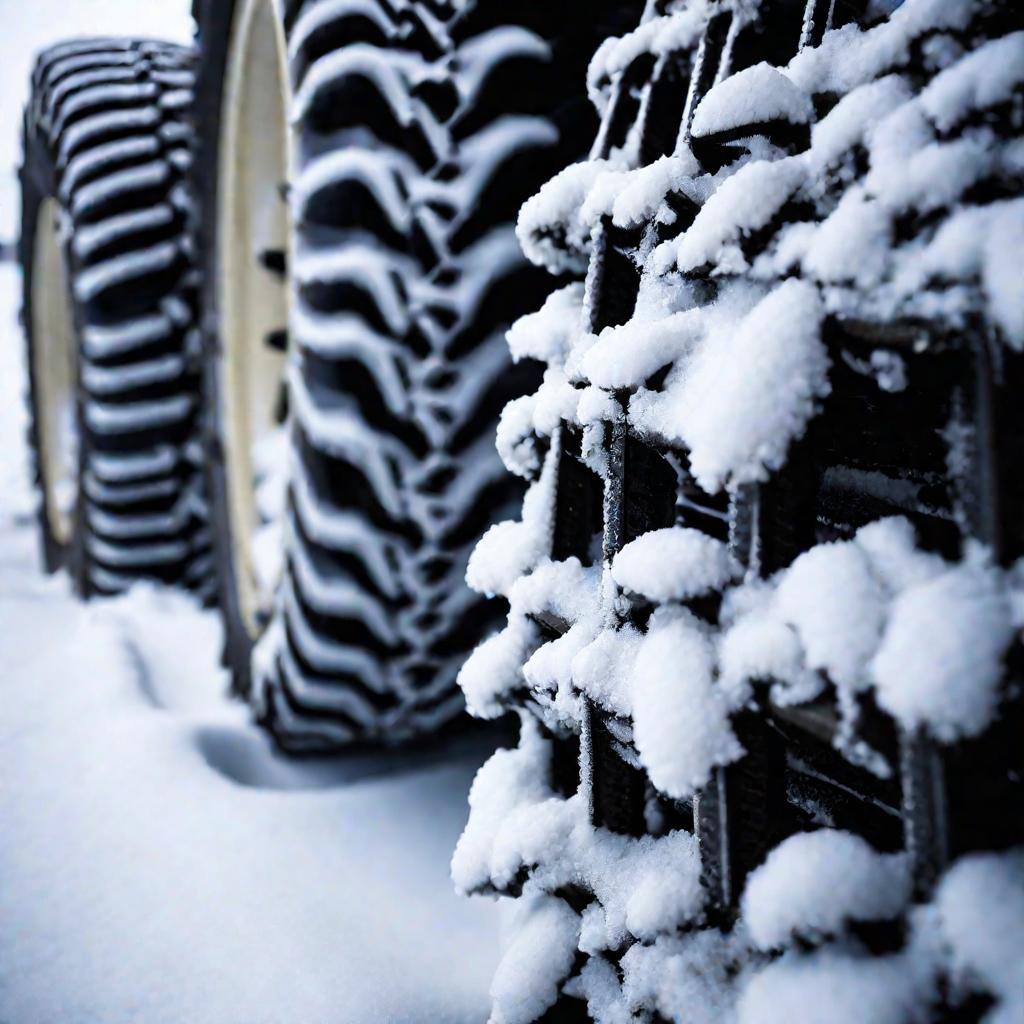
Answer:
(548, 334)
(680, 718)
(625, 356)
(537, 961)
(679, 30)
(760, 647)
(940, 661)
(749, 393)
(852, 243)
(688, 977)
(979, 909)
(895, 557)
(600, 668)
(847, 123)
(495, 669)
(745, 202)
(984, 78)
(814, 883)
(1003, 256)
(673, 564)
(753, 96)
(928, 636)
(849, 57)
(510, 549)
(515, 438)
(835, 987)
(836, 604)
(550, 229)
(632, 198)
(510, 779)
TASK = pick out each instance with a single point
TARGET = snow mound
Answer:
(814, 883)
(753, 96)
(673, 564)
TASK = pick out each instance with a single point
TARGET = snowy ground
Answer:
(158, 863)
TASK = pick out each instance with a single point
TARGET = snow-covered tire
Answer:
(108, 311)
(722, 480)
(412, 152)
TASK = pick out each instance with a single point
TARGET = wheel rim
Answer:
(55, 372)
(254, 239)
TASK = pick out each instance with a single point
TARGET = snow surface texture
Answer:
(862, 190)
(160, 862)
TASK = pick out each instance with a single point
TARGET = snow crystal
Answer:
(940, 661)
(753, 96)
(673, 564)
(814, 883)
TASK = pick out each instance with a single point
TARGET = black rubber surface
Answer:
(105, 133)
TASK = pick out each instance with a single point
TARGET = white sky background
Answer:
(27, 26)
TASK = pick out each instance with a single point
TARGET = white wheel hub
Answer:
(254, 240)
(55, 370)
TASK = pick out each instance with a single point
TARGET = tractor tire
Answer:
(673, 537)
(108, 309)
(418, 132)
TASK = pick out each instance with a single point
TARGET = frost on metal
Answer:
(774, 257)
